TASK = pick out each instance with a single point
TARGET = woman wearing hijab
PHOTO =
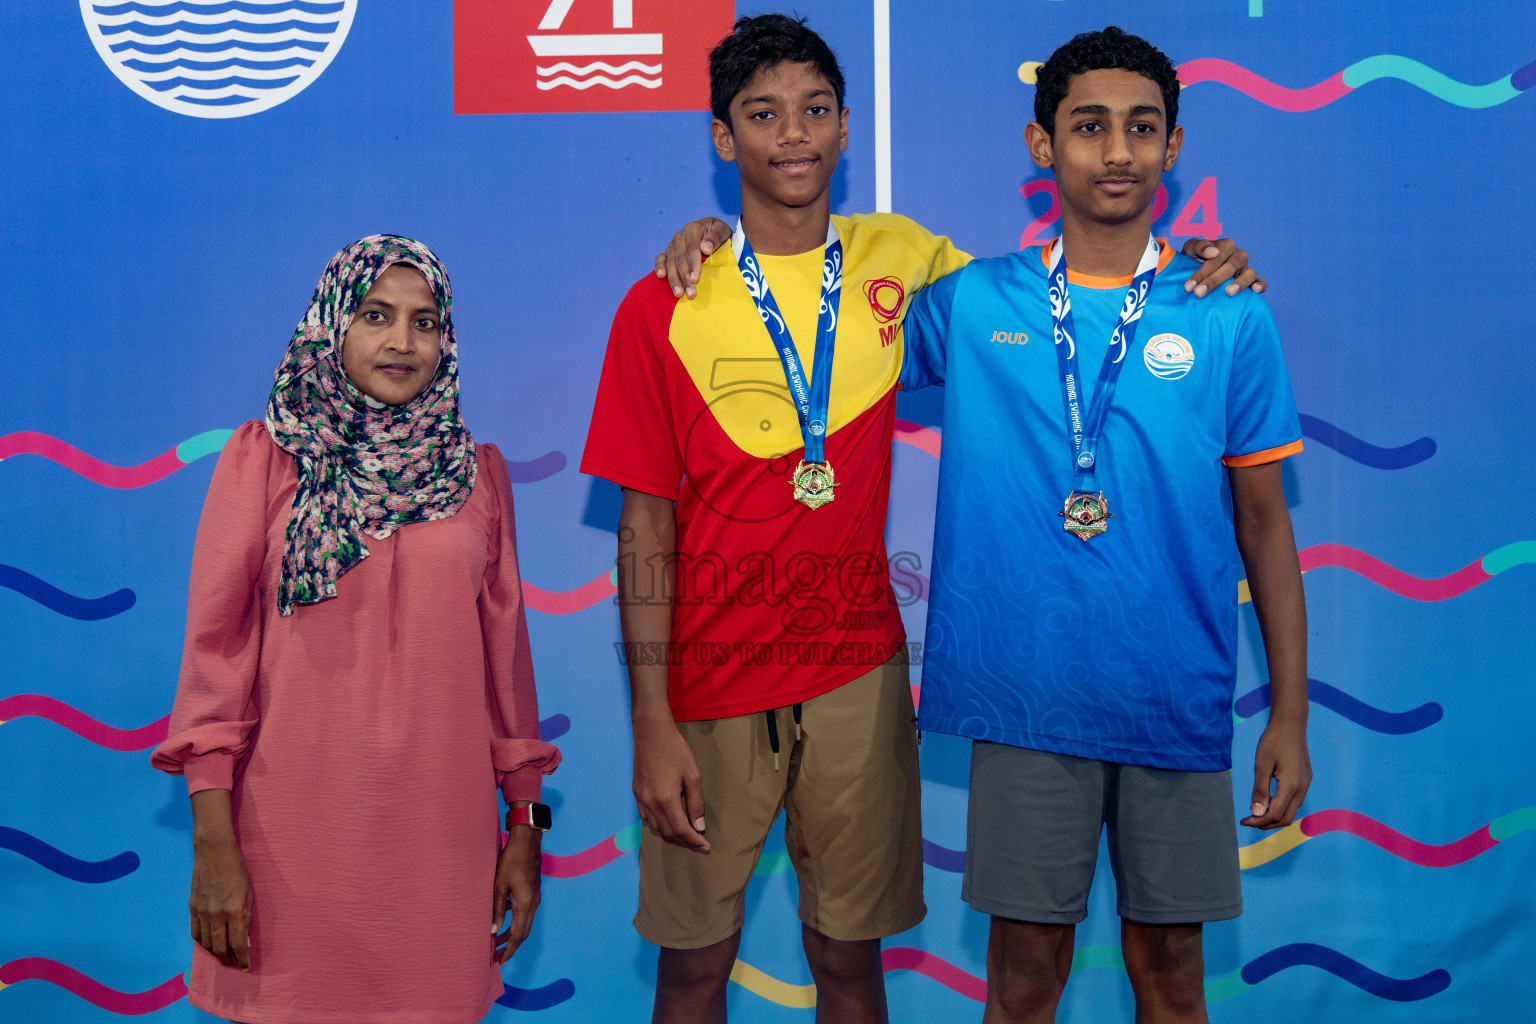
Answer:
(356, 680)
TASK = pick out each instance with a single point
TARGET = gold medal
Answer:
(1086, 514)
(813, 483)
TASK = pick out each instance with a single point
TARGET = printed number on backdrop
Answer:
(1201, 203)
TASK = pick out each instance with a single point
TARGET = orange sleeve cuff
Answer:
(1260, 458)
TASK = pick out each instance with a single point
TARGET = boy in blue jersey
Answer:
(1106, 438)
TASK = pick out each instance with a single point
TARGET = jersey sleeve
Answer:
(1262, 424)
(632, 440)
(925, 352)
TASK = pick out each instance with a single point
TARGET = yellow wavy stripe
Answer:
(1266, 850)
(796, 997)
(1244, 595)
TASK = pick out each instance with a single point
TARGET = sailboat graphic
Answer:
(549, 42)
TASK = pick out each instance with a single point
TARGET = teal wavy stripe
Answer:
(1390, 65)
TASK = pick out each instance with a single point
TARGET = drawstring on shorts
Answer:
(773, 731)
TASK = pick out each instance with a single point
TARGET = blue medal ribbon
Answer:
(1086, 426)
(811, 398)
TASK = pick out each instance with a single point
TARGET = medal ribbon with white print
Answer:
(1086, 426)
(812, 398)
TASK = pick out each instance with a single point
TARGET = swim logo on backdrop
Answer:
(584, 56)
(217, 58)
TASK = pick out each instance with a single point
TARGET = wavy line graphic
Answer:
(92, 872)
(86, 609)
(564, 602)
(1310, 954)
(1319, 556)
(25, 705)
(1427, 855)
(924, 439)
(630, 65)
(602, 854)
(542, 998)
(35, 705)
(1363, 452)
(1422, 76)
(1217, 989)
(36, 968)
(1392, 723)
(209, 442)
(603, 80)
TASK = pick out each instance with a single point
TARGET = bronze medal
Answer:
(813, 483)
(1086, 514)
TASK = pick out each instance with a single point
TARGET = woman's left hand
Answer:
(516, 890)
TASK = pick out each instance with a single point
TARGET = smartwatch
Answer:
(535, 816)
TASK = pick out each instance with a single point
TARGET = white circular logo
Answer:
(217, 58)
(1168, 356)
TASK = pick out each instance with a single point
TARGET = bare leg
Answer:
(690, 983)
(850, 983)
(1027, 968)
(1167, 968)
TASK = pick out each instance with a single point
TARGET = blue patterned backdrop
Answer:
(162, 224)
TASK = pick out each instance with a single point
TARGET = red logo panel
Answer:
(584, 56)
(885, 297)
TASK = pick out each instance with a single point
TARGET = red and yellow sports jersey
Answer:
(775, 602)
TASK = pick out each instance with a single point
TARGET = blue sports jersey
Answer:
(1122, 648)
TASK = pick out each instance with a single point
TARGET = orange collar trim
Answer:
(1090, 281)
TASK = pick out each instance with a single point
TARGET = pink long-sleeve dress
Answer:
(363, 739)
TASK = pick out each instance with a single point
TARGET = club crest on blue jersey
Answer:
(1168, 356)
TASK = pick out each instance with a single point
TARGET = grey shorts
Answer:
(1032, 838)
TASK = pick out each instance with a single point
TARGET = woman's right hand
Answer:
(221, 899)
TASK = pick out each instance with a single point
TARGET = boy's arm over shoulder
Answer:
(937, 252)
(632, 439)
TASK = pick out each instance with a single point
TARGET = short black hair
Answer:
(763, 42)
(1112, 49)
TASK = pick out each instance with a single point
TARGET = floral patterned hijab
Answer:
(364, 467)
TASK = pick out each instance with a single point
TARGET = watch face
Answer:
(541, 817)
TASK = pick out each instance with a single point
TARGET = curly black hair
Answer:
(1111, 49)
(763, 42)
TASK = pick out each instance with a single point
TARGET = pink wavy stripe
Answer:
(924, 439)
(1212, 69)
(82, 724)
(29, 442)
(1397, 844)
(905, 958)
(1395, 580)
(36, 968)
(558, 602)
(553, 865)
(604, 853)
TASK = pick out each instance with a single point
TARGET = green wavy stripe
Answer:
(1521, 552)
(1093, 957)
(1219, 990)
(1513, 823)
(1390, 65)
(206, 443)
(775, 863)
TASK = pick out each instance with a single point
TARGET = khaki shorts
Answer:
(850, 790)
